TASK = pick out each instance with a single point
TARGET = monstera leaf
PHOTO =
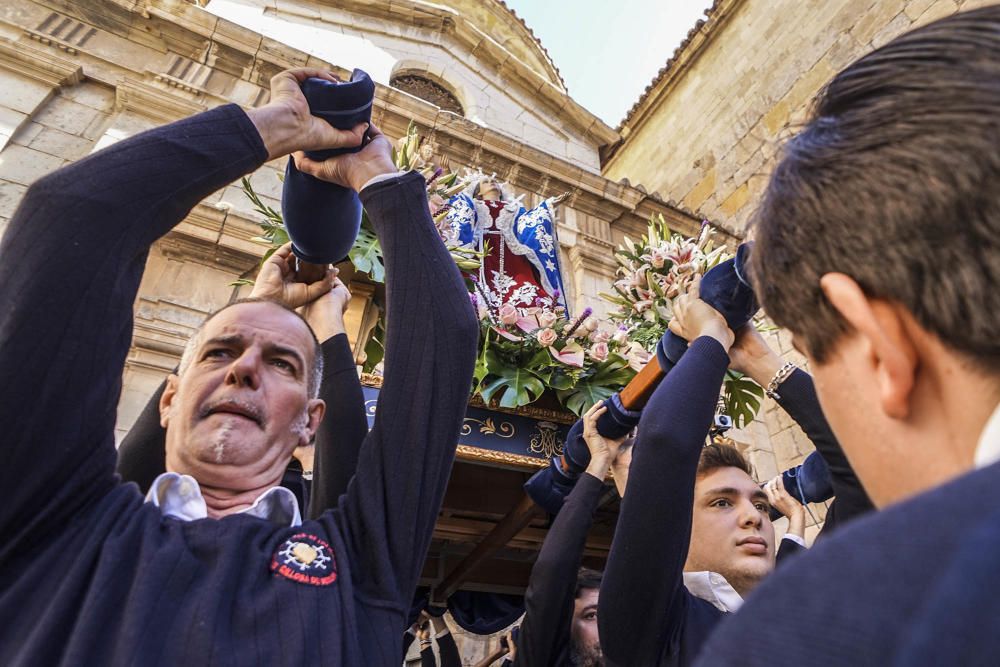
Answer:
(511, 385)
(366, 255)
(742, 397)
(605, 381)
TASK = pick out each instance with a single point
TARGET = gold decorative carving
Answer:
(546, 440)
(488, 427)
(477, 455)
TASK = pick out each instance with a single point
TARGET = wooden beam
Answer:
(637, 392)
(516, 520)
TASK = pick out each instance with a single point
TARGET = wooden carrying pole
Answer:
(637, 392)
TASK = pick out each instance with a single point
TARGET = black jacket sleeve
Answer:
(643, 598)
(448, 651)
(343, 429)
(548, 603)
(387, 515)
(142, 456)
(70, 265)
(799, 400)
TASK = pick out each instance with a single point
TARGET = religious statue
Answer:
(520, 265)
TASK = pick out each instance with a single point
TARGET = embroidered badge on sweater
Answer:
(306, 559)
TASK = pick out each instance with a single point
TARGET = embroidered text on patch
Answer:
(306, 559)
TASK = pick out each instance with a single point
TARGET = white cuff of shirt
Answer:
(380, 178)
(795, 538)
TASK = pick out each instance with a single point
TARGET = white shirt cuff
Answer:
(380, 178)
(795, 538)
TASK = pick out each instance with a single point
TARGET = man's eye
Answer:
(763, 507)
(590, 616)
(721, 502)
(217, 353)
(283, 365)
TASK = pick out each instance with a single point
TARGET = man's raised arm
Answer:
(388, 513)
(70, 265)
(642, 603)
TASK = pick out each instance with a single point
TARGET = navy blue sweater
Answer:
(915, 584)
(89, 574)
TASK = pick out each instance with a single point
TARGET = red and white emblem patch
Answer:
(306, 559)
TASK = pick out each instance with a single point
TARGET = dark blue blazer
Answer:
(916, 584)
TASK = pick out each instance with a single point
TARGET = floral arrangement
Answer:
(652, 273)
(523, 352)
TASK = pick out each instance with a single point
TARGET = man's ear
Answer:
(315, 409)
(167, 399)
(891, 353)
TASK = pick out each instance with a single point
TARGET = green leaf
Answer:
(374, 348)
(366, 255)
(512, 386)
(579, 399)
(742, 397)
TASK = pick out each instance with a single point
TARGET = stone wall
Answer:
(710, 137)
(708, 131)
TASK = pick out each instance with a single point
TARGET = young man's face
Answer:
(731, 533)
(586, 643)
(242, 405)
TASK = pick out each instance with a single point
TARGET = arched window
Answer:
(427, 90)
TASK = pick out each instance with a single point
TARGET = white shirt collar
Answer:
(180, 496)
(988, 449)
(713, 588)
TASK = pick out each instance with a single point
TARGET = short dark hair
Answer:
(715, 455)
(587, 579)
(895, 181)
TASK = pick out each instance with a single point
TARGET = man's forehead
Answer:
(263, 321)
(728, 477)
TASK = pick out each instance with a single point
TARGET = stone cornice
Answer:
(164, 98)
(477, 43)
(39, 64)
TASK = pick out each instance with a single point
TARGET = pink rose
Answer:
(599, 351)
(508, 314)
(590, 324)
(547, 318)
(621, 336)
(546, 337)
(600, 336)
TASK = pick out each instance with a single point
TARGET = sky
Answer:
(609, 51)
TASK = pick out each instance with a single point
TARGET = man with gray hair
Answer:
(218, 567)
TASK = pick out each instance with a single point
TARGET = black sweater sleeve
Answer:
(142, 456)
(70, 265)
(799, 400)
(642, 603)
(387, 515)
(448, 651)
(343, 429)
(548, 603)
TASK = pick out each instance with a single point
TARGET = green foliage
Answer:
(366, 255)
(512, 386)
(742, 397)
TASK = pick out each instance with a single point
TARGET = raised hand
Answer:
(352, 170)
(752, 356)
(783, 501)
(602, 450)
(286, 125)
(281, 280)
(694, 318)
